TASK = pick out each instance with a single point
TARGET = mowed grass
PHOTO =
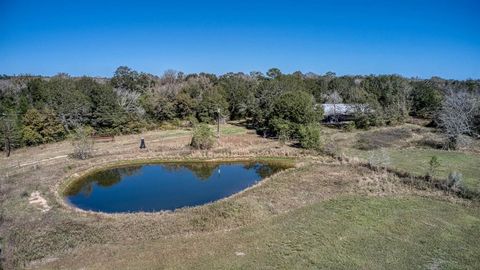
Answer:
(228, 129)
(344, 233)
(416, 161)
(225, 129)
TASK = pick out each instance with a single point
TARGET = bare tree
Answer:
(170, 83)
(456, 117)
(129, 101)
(334, 98)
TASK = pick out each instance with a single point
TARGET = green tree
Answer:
(392, 93)
(9, 132)
(274, 73)
(70, 104)
(296, 107)
(126, 78)
(240, 94)
(292, 109)
(426, 99)
(185, 105)
(213, 99)
(164, 109)
(284, 129)
(107, 114)
(310, 136)
(41, 127)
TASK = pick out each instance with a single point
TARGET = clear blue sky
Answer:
(411, 38)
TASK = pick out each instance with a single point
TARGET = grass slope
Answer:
(344, 233)
(417, 161)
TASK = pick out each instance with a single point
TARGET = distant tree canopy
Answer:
(37, 110)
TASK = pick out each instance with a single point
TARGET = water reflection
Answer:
(203, 171)
(168, 186)
(103, 178)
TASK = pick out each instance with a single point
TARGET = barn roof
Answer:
(342, 108)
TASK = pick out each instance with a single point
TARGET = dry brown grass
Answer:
(35, 238)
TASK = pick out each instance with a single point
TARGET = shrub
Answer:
(331, 148)
(455, 181)
(310, 136)
(362, 121)
(82, 143)
(283, 128)
(433, 166)
(192, 121)
(430, 142)
(133, 126)
(203, 137)
(379, 159)
(349, 127)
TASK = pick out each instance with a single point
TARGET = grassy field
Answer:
(344, 233)
(417, 161)
(321, 214)
(402, 146)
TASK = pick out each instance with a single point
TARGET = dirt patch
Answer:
(39, 202)
(382, 138)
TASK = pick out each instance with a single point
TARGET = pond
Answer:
(165, 186)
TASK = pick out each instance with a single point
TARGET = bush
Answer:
(349, 127)
(331, 148)
(431, 142)
(203, 137)
(82, 143)
(283, 128)
(192, 121)
(433, 166)
(379, 159)
(455, 181)
(41, 127)
(362, 121)
(310, 136)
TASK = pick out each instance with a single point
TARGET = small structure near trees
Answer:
(342, 112)
(334, 99)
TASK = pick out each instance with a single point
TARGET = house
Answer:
(341, 112)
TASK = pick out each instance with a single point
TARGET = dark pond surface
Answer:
(167, 186)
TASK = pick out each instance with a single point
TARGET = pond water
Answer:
(166, 186)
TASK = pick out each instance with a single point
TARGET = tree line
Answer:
(36, 110)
